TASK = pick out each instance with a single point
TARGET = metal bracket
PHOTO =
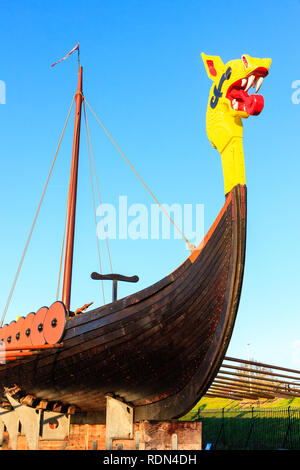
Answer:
(119, 421)
(35, 424)
(12, 425)
(54, 426)
(29, 418)
(1, 430)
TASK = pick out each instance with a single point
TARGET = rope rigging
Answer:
(62, 255)
(98, 190)
(190, 245)
(91, 160)
(93, 196)
(34, 221)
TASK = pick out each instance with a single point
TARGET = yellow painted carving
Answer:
(229, 102)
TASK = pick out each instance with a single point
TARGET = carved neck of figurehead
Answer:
(229, 102)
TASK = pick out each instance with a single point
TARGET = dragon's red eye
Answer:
(245, 61)
(212, 70)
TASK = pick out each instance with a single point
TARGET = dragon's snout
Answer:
(238, 92)
(232, 82)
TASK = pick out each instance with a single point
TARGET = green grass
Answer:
(218, 403)
(267, 427)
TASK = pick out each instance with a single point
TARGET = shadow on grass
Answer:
(251, 430)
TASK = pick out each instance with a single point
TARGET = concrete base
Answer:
(34, 424)
(119, 421)
(27, 429)
(93, 437)
(170, 435)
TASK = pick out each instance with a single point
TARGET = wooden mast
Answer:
(71, 209)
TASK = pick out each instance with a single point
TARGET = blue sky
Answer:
(144, 76)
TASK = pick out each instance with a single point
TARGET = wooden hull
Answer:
(158, 349)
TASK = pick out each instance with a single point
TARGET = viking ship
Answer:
(159, 349)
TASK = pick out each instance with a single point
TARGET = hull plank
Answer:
(158, 349)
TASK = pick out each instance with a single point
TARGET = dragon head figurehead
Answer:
(230, 101)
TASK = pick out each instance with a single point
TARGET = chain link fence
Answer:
(250, 429)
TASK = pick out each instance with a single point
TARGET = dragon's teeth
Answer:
(250, 82)
(258, 84)
(244, 82)
(235, 104)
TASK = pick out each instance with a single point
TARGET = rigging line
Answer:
(190, 245)
(69, 205)
(62, 255)
(65, 229)
(93, 197)
(34, 221)
(97, 184)
(65, 225)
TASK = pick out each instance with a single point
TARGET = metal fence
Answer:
(250, 429)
